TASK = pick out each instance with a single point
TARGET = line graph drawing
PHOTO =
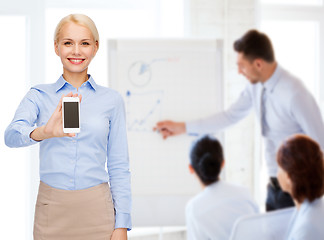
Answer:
(140, 72)
(143, 109)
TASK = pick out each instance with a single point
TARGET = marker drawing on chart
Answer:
(140, 72)
(143, 110)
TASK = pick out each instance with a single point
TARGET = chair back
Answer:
(265, 226)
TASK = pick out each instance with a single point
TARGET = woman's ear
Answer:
(289, 182)
(289, 186)
(56, 48)
(191, 169)
(96, 48)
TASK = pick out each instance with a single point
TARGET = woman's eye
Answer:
(67, 43)
(85, 43)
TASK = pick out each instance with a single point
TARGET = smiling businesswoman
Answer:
(75, 200)
(301, 174)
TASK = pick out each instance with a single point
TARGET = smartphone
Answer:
(71, 114)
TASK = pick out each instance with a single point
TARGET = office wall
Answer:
(230, 19)
(176, 79)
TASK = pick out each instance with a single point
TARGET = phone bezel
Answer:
(71, 99)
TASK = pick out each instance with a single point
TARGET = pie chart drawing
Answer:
(139, 74)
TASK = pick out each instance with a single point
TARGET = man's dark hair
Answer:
(255, 44)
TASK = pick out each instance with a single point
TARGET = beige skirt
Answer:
(86, 214)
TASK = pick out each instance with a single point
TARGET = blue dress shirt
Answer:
(74, 163)
(289, 108)
(307, 222)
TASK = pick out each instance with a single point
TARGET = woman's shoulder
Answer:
(43, 87)
(309, 224)
(194, 203)
(315, 209)
(310, 216)
(36, 92)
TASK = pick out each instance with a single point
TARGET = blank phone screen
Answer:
(71, 115)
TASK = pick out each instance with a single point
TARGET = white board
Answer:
(177, 79)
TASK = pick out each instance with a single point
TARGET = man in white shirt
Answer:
(280, 100)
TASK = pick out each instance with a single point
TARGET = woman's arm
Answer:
(119, 234)
(18, 132)
(118, 165)
(22, 131)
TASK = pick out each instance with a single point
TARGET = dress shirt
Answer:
(307, 222)
(73, 163)
(212, 213)
(289, 109)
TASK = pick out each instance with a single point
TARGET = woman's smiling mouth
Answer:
(76, 60)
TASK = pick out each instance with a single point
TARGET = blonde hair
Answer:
(80, 19)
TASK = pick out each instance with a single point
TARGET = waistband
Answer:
(46, 186)
(47, 192)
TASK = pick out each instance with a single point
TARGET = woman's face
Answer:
(284, 180)
(76, 47)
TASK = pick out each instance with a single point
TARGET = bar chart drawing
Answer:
(143, 109)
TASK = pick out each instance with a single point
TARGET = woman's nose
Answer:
(76, 49)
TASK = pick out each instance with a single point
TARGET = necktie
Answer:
(264, 125)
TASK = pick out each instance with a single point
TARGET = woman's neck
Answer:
(203, 186)
(76, 79)
(298, 204)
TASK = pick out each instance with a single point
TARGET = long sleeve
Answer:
(224, 119)
(118, 166)
(307, 113)
(18, 132)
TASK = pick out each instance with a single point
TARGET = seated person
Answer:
(301, 174)
(212, 213)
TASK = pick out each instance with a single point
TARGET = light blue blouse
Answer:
(79, 162)
(212, 213)
(307, 223)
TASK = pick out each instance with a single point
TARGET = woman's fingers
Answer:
(59, 105)
(70, 94)
(68, 134)
(77, 95)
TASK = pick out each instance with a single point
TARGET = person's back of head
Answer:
(302, 159)
(255, 44)
(207, 159)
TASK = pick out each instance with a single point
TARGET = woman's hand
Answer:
(54, 126)
(119, 234)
